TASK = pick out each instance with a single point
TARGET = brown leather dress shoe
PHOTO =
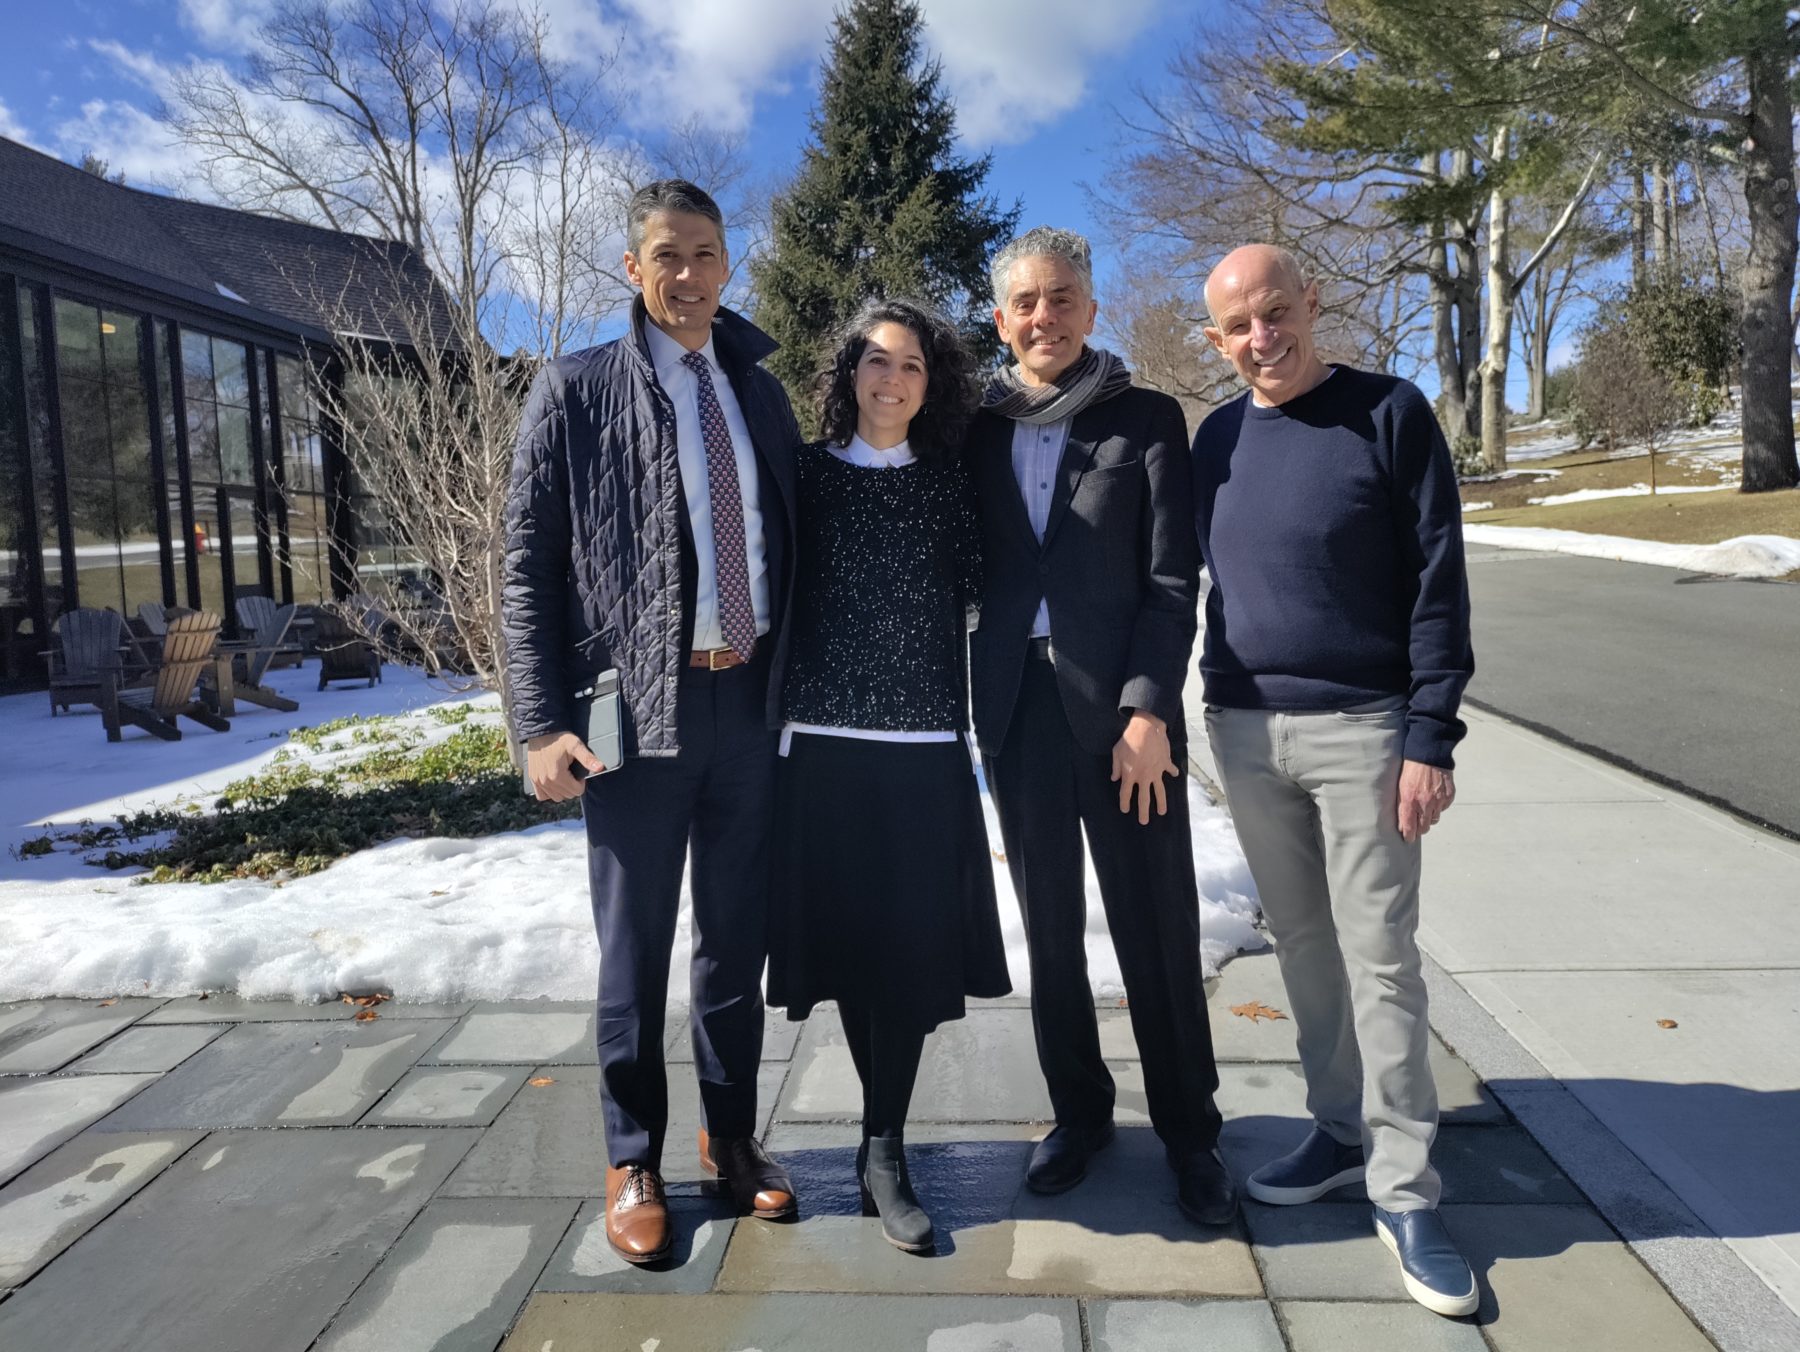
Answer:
(758, 1184)
(637, 1214)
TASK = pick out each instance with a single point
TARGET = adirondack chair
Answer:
(270, 639)
(170, 689)
(88, 642)
(345, 654)
(255, 616)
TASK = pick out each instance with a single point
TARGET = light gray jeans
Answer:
(1314, 798)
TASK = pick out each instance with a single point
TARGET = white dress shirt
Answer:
(1036, 457)
(682, 387)
(865, 456)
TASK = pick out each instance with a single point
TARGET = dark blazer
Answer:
(599, 565)
(1119, 566)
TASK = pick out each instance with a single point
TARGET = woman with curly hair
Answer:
(884, 890)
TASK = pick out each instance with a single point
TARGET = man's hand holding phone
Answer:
(557, 763)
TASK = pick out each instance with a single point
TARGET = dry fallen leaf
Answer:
(440, 893)
(107, 1004)
(366, 1015)
(1256, 1009)
(541, 1081)
(202, 996)
(1667, 1023)
(365, 1001)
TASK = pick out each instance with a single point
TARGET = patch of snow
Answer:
(1634, 491)
(498, 917)
(1748, 556)
(1476, 506)
(1498, 475)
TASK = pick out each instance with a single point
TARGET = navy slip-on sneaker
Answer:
(1431, 1267)
(1305, 1174)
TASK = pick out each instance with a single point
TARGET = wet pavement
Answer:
(227, 1174)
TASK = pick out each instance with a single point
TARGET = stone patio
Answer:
(225, 1174)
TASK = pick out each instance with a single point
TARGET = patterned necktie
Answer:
(737, 616)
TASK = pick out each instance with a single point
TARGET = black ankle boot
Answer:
(887, 1192)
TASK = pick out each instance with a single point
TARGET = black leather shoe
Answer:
(887, 1192)
(1203, 1188)
(1061, 1158)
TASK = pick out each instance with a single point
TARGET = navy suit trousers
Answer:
(714, 799)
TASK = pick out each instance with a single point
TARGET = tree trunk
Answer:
(1639, 209)
(1499, 321)
(1661, 232)
(1712, 230)
(1768, 277)
(1537, 358)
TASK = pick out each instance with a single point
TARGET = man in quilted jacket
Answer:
(649, 530)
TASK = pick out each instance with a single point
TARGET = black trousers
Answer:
(716, 800)
(1046, 788)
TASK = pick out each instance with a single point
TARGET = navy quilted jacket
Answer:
(594, 525)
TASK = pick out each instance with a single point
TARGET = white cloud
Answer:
(226, 25)
(710, 58)
(143, 68)
(1014, 65)
(10, 126)
(131, 140)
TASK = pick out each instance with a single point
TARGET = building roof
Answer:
(308, 276)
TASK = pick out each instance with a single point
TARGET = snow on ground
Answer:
(1634, 491)
(1477, 506)
(1749, 556)
(498, 917)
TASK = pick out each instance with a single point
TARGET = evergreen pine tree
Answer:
(881, 206)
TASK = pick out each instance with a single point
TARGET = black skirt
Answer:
(884, 884)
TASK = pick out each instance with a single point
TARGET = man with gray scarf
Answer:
(1088, 617)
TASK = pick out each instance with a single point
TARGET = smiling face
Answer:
(1263, 315)
(890, 385)
(1046, 316)
(681, 268)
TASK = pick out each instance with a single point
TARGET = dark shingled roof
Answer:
(349, 284)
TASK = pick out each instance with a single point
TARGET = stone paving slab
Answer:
(979, 1069)
(36, 1116)
(250, 1243)
(1250, 978)
(1183, 1326)
(457, 1096)
(548, 1142)
(1345, 1326)
(1117, 1233)
(455, 1280)
(780, 1033)
(526, 1033)
(1557, 1279)
(225, 1008)
(71, 1190)
(795, 1323)
(586, 1261)
(1635, 912)
(44, 1035)
(1325, 1251)
(154, 1050)
(259, 1075)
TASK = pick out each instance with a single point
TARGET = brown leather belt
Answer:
(715, 659)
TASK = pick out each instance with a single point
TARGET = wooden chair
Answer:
(344, 653)
(171, 688)
(270, 640)
(256, 614)
(88, 643)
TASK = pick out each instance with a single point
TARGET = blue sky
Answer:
(81, 75)
(1035, 81)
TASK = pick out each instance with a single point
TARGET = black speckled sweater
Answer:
(887, 562)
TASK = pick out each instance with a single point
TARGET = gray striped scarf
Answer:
(1094, 377)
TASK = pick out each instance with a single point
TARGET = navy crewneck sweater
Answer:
(1332, 531)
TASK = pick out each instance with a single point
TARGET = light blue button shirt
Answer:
(1036, 456)
(682, 386)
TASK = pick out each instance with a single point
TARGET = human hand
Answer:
(1140, 759)
(1426, 792)
(548, 763)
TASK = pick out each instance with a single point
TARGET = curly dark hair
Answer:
(951, 391)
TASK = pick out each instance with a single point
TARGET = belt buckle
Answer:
(718, 659)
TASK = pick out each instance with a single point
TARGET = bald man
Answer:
(1336, 652)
